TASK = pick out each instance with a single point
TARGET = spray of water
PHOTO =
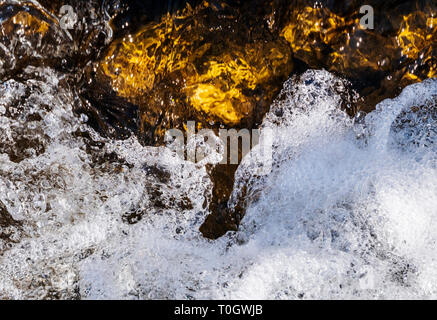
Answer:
(349, 210)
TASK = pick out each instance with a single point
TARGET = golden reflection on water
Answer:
(317, 34)
(219, 91)
(310, 26)
(24, 24)
(416, 38)
(30, 23)
(135, 62)
(220, 82)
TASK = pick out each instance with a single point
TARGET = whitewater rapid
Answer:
(349, 210)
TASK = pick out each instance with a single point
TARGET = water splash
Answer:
(348, 212)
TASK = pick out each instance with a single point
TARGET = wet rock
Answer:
(200, 64)
(222, 64)
(35, 33)
(28, 34)
(222, 219)
(380, 61)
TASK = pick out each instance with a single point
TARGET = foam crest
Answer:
(349, 210)
(360, 216)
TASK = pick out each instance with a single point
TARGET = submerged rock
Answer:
(200, 64)
(380, 60)
(222, 64)
(36, 33)
(28, 33)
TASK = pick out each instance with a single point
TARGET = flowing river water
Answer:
(95, 204)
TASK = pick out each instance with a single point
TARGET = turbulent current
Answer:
(348, 211)
(95, 203)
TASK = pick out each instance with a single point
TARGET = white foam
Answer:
(339, 217)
